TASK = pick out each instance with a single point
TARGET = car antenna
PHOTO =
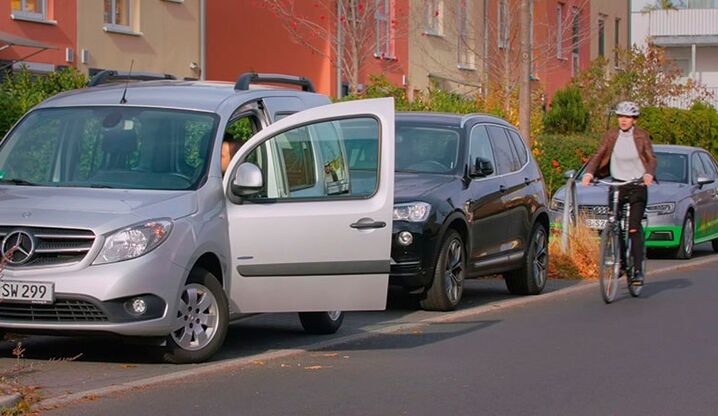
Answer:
(123, 100)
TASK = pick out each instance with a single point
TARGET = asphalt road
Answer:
(569, 355)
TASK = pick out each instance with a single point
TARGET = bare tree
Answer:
(354, 31)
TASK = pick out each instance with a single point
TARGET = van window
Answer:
(313, 161)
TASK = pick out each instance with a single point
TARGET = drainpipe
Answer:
(339, 49)
(485, 53)
(693, 61)
(202, 39)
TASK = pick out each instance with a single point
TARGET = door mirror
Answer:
(482, 167)
(247, 180)
(704, 180)
(569, 174)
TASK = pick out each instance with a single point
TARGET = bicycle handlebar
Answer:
(635, 181)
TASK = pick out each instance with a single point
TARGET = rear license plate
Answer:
(598, 224)
(26, 292)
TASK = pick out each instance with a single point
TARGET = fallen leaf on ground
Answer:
(128, 365)
(318, 367)
(258, 362)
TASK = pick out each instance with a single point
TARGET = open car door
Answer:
(310, 205)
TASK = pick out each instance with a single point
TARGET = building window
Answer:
(29, 10)
(575, 41)
(433, 17)
(503, 35)
(117, 12)
(616, 41)
(465, 39)
(559, 31)
(384, 48)
(602, 36)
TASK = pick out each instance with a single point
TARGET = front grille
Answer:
(53, 246)
(60, 311)
(594, 211)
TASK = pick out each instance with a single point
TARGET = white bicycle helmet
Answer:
(628, 108)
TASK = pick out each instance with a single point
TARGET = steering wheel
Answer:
(181, 176)
(429, 165)
(670, 176)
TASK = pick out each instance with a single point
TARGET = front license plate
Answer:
(26, 292)
(597, 224)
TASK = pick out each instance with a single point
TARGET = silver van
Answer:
(115, 216)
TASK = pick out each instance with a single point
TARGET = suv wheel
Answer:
(447, 285)
(202, 318)
(321, 323)
(530, 279)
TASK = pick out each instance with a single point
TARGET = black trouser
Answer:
(635, 196)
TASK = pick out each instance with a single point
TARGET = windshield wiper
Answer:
(18, 182)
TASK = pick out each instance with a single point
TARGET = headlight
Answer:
(412, 212)
(556, 205)
(134, 241)
(661, 209)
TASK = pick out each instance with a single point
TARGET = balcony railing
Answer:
(683, 22)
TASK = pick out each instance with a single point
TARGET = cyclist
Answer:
(625, 154)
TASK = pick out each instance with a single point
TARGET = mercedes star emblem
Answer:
(17, 247)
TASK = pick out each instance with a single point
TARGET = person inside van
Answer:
(229, 147)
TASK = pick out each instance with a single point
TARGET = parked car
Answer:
(470, 201)
(115, 216)
(682, 208)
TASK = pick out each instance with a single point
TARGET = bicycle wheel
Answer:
(610, 264)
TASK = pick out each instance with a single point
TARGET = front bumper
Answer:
(93, 298)
(412, 266)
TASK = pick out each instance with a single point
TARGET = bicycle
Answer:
(610, 266)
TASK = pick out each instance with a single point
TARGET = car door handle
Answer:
(502, 189)
(366, 224)
(527, 181)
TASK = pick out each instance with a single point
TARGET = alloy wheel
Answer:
(196, 319)
(454, 272)
(540, 260)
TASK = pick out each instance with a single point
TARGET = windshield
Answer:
(671, 167)
(426, 149)
(109, 147)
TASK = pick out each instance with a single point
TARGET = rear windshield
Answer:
(109, 147)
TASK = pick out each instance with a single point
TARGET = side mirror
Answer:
(481, 168)
(247, 180)
(704, 180)
(569, 174)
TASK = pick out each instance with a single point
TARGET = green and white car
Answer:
(682, 208)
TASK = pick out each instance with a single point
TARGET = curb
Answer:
(10, 401)
(236, 363)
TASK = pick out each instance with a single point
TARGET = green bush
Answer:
(695, 127)
(21, 91)
(558, 153)
(568, 113)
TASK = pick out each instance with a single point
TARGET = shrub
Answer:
(21, 91)
(568, 112)
(695, 127)
(580, 261)
(556, 154)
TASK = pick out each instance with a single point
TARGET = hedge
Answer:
(695, 127)
(558, 153)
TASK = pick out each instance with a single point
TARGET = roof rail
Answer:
(248, 78)
(109, 75)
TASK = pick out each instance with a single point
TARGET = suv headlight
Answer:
(134, 241)
(556, 205)
(412, 211)
(661, 209)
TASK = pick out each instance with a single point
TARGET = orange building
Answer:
(252, 37)
(38, 33)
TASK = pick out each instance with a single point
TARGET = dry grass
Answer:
(581, 259)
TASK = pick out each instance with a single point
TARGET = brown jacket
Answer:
(599, 165)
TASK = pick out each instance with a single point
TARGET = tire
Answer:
(321, 323)
(530, 279)
(200, 330)
(447, 285)
(714, 243)
(609, 268)
(685, 249)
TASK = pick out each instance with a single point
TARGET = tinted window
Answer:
(313, 161)
(426, 149)
(480, 146)
(697, 168)
(709, 164)
(519, 146)
(502, 149)
(671, 167)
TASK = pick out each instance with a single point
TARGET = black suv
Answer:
(470, 201)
